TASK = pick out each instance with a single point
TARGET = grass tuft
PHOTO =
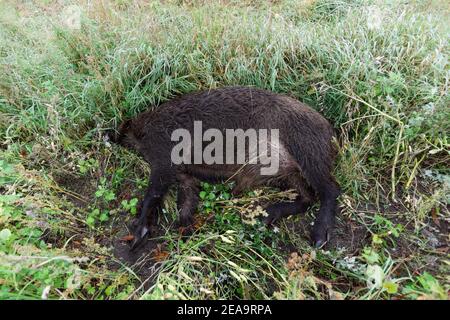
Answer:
(71, 70)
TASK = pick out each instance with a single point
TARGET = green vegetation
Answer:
(378, 70)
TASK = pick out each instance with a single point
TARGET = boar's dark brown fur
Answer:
(307, 153)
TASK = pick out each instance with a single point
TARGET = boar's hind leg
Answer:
(316, 163)
(160, 181)
(284, 209)
(290, 179)
(324, 223)
(188, 197)
(328, 191)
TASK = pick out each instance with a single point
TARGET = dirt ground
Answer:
(349, 235)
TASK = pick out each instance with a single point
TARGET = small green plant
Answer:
(370, 256)
(85, 166)
(99, 210)
(130, 205)
(376, 273)
(425, 286)
(141, 183)
(384, 229)
(117, 177)
(7, 173)
(384, 87)
(212, 193)
(97, 216)
(103, 192)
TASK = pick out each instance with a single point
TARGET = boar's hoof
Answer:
(271, 218)
(185, 222)
(140, 235)
(320, 236)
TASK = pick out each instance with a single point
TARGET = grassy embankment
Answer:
(378, 71)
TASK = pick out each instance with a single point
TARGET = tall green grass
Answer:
(377, 70)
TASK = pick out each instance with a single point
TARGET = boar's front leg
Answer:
(160, 181)
(188, 197)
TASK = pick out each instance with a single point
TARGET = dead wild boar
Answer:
(304, 148)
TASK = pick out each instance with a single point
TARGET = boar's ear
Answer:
(118, 135)
(124, 127)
